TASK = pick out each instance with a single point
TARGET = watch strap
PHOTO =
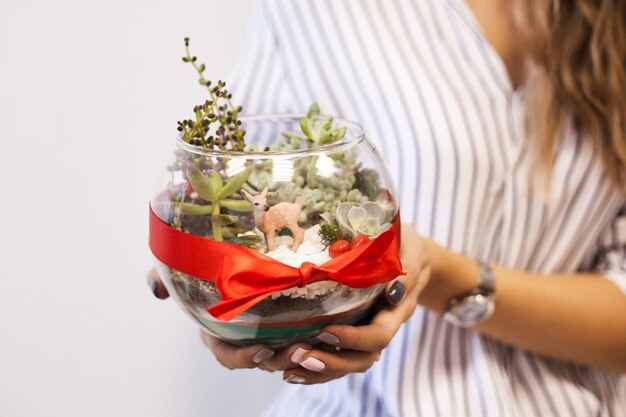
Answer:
(486, 280)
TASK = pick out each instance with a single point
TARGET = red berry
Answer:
(338, 248)
(359, 241)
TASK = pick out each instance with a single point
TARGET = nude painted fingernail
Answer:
(329, 338)
(297, 356)
(313, 364)
(295, 379)
(262, 355)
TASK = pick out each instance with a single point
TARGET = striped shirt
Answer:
(436, 101)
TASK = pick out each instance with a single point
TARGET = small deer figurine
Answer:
(270, 220)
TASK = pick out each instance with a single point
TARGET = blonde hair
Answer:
(577, 49)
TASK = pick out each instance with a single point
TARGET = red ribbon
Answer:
(245, 277)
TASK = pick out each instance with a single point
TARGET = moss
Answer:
(330, 233)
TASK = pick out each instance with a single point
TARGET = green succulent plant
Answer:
(212, 188)
(368, 218)
(316, 130)
(368, 182)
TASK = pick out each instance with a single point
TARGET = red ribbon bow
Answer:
(245, 277)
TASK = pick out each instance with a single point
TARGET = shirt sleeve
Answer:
(611, 260)
(259, 82)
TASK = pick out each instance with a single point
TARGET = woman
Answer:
(505, 130)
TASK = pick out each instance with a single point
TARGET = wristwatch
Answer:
(476, 305)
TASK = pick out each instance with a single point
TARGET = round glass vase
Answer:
(344, 184)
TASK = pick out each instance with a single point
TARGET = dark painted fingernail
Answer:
(396, 292)
(328, 338)
(262, 355)
(154, 286)
(295, 379)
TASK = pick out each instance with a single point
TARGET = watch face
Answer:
(471, 310)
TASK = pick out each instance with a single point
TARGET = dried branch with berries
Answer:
(216, 123)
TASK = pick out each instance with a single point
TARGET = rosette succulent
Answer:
(369, 218)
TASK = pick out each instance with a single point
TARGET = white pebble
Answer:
(310, 250)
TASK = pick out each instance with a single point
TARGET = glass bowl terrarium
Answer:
(271, 243)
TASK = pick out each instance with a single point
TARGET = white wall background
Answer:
(90, 92)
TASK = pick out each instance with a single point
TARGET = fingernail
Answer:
(154, 287)
(328, 338)
(262, 355)
(313, 364)
(295, 379)
(396, 292)
(297, 356)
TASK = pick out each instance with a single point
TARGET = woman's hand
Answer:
(345, 349)
(348, 349)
